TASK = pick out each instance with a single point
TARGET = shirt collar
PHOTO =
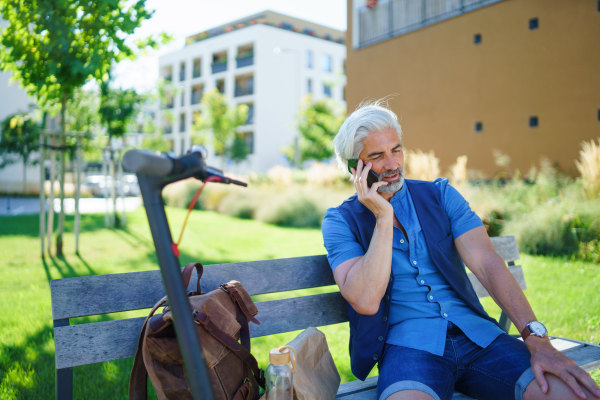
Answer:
(397, 198)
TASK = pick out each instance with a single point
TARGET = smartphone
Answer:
(371, 179)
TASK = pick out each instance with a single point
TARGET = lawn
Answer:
(563, 293)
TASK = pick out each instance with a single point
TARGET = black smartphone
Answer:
(371, 179)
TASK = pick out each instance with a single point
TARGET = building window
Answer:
(197, 71)
(534, 23)
(309, 85)
(326, 90)
(182, 97)
(326, 62)
(309, 59)
(182, 71)
(221, 86)
(533, 122)
(344, 93)
(182, 122)
(248, 138)
(477, 38)
(478, 126)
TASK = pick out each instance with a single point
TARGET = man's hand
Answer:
(369, 197)
(545, 358)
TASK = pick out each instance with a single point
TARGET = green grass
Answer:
(563, 293)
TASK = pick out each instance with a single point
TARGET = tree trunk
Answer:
(63, 142)
(24, 175)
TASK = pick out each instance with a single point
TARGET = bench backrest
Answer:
(103, 294)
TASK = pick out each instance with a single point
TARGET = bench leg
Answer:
(505, 322)
(64, 384)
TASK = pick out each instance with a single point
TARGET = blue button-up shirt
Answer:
(422, 300)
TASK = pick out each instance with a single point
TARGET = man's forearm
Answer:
(368, 278)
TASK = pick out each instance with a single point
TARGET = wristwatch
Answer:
(534, 328)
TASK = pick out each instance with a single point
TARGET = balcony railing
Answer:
(196, 73)
(245, 61)
(391, 18)
(219, 66)
(244, 90)
(182, 75)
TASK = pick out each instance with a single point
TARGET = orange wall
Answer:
(445, 83)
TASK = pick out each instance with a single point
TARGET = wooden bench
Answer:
(90, 343)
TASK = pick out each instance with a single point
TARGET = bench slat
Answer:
(104, 294)
(112, 340)
(506, 247)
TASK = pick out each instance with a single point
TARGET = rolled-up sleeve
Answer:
(462, 218)
(338, 239)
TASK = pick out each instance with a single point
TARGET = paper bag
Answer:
(316, 376)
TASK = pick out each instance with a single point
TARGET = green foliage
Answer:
(82, 113)
(156, 142)
(318, 122)
(239, 149)
(19, 136)
(117, 107)
(51, 48)
(222, 120)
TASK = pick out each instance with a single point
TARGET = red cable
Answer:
(175, 246)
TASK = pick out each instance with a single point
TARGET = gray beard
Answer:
(394, 186)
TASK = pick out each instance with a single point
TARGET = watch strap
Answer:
(525, 332)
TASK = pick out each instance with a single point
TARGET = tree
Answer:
(222, 120)
(239, 150)
(19, 135)
(318, 123)
(117, 108)
(54, 47)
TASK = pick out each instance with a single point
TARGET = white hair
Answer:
(369, 117)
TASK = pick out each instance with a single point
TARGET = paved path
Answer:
(31, 205)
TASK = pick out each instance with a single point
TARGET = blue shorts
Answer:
(500, 371)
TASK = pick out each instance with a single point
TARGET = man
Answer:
(395, 249)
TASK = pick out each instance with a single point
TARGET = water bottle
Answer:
(280, 378)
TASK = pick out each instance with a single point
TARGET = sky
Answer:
(182, 18)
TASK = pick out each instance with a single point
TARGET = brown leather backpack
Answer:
(222, 317)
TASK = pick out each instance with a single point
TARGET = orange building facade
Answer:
(519, 76)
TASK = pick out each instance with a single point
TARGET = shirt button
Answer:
(384, 318)
(375, 357)
(422, 282)
(414, 262)
(380, 339)
(401, 240)
(387, 296)
(430, 297)
(445, 315)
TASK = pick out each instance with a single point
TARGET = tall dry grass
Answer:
(458, 172)
(589, 168)
(421, 166)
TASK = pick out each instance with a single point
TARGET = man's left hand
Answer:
(545, 358)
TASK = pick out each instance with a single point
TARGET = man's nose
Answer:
(391, 164)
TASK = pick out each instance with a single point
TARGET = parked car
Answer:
(98, 184)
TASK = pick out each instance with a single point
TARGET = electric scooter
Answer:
(155, 171)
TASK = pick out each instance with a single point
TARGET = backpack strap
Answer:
(138, 380)
(186, 274)
(203, 320)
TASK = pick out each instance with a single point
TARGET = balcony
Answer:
(244, 60)
(219, 66)
(391, 18)
(196, 73)
(182, 75)
(250, 119)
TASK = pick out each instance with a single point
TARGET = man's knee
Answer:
(409, 395)
(557, 390)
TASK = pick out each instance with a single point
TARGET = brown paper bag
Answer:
(316, 376)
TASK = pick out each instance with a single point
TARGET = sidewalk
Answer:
(31, 205)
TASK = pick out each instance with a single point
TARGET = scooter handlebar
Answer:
(148, 163)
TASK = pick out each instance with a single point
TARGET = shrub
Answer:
(422, 166)
(557, 229)
(589, 167)
(295, 211)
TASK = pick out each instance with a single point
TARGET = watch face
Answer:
(537, 328)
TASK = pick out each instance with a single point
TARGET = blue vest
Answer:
(368, 332)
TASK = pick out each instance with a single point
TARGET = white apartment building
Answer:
(267, 61)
